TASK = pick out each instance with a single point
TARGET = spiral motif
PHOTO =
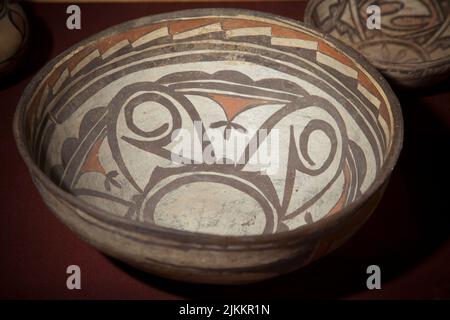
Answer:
(105, 130)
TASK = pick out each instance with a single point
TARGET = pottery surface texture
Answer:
(100, 128)
(13, 34)
(412, 47)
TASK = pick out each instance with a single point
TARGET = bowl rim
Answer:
(402, 70)
(191, 238)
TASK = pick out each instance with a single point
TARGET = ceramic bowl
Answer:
(13, 35)
(412, 46)
(124, 135)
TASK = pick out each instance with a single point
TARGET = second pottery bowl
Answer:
(217, 145)
(13, 36)
(411, 47)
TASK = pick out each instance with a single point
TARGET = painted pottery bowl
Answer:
(13, 35)
(215, 145)
(412, 46)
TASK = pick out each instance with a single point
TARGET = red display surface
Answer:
(408, 235)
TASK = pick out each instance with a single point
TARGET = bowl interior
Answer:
(221, 122)
(411, 33)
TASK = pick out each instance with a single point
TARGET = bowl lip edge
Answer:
(190, 237)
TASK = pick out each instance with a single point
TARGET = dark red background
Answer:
(408, 235)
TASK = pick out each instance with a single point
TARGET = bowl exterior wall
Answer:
(207, 263)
